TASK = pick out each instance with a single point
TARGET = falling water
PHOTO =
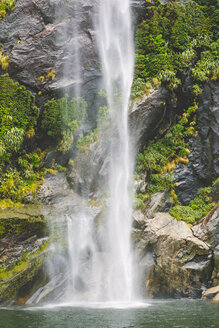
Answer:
(98, 265)
(116, 51)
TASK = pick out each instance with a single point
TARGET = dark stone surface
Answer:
(147, 114)
(38, 36)
(203, 166)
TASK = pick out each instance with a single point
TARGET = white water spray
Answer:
(116, 49)
(98, 264)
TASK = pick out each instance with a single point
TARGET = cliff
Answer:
(48, 163)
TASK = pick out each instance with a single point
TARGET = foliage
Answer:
(6, 5)
(173, 37)
(13, 139)
(48, 75)
(4, 61)
(61, 118)
(139, 88)
(160, 183)
(18, 114)
(172, 146)
(197, 208)
(159, 158)
(18, 118)
(88, 139)
(17, 106)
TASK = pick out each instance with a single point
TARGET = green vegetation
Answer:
(160, 155)
(158, 159)
(20, 167)
(4, 61)
(88, 139)
(175, 37)
(173, 41)
(197, 208)
(61, 118)
(5, 6)
(18, 119)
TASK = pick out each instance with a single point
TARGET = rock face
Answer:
(175, 259)
(39, 37)
(89, 173)
(147, 114)
(208, 230)
(180, 263)
(211, 292)
(23, 241)
(203, 165)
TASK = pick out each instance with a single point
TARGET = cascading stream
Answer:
(115, 43)
(95, 265)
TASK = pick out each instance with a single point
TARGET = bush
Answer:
(17, 106)
(173, 37)
(6, 5)
(197, 208)
(61, 118)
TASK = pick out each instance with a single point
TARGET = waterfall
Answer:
(115, 43)
(98, 264)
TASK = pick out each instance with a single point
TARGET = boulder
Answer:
(208, 231)
(211, 292)
(182, 263)
(23, 244)
(216, 298)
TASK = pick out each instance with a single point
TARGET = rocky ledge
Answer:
(23, 243)
(176, 259)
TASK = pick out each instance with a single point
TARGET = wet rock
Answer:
(23, 241)
(211, 292)
(147, 114)
(89, 173)
(182, 263)
(203, 166)
(208, 230)
(215, 192)
(54, 187)
(140, 184)
(38, 37)
(216, 298)
(160, 202)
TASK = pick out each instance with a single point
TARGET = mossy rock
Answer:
(23, 243)
(12, 280)
(28, 219)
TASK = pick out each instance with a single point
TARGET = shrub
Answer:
(197, 208)
(13, 139)
(17, 106)
(174, 36)
(61, 118)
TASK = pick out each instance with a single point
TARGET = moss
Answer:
(2, 230)
(4, 61)
(196, 209)
(26, 219)
(15, 276)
